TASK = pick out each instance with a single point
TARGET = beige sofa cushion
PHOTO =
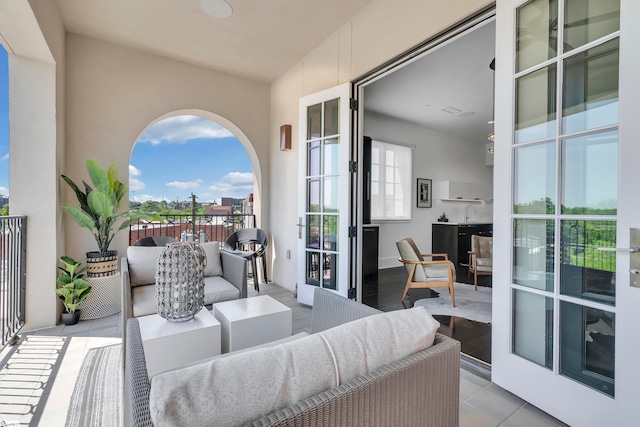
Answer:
(214, 264)
(143, 300)
(142, 264)
(241, 388)
(217, 289)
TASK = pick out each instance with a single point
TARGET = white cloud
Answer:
(134, 171)
(4, 191)
(181, 129)
(184, 185)
(136, 185)
(234, 184)
(146, 197)
(5, 157)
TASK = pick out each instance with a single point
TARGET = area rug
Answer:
(96, 397)
(470, 304)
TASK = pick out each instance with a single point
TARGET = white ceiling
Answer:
(261, 40)
(455, 75)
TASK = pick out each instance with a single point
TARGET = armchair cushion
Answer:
(217, 289)
(142, 264)
(214, 264)
(143, 300)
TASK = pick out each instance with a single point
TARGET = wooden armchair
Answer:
(426, 274)
(480, 257)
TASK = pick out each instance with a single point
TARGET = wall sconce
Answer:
(285, 137)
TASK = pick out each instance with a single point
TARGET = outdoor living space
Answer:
(38, 378)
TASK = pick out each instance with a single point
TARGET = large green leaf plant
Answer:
(72, 288)
(99, 204)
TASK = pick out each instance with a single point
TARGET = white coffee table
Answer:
(169, 345)
(252, 321)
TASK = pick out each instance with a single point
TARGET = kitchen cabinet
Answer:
(462, 191)
(370, 241)
(454, 239)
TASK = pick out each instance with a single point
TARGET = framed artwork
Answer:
(424, 193)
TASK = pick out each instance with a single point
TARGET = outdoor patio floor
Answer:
(38, 375)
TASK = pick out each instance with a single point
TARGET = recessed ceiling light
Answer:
(452, 110)
(467, 114)
(216, 8)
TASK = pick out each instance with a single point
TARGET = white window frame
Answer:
(400, 209)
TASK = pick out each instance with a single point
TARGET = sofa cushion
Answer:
(237, 389)
(142, 264)
(214, 264)
(218, 289)
(367, 344)
(243, 387)
(143, 300)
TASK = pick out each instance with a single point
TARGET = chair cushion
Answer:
(241, 388)
(217, 289)
(143, 300)
(484, 262)
(214, 264)
(142, 264)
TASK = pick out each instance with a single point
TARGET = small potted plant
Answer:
(98, 212)
(443, 218)
(71, 288)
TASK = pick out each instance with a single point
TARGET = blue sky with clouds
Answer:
(172, 159)
(4, 123)
(188, 154)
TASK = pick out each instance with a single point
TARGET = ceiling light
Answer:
(452, 110)
(216, 8)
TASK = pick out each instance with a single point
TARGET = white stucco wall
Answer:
(437, 156)
(381, 31)
(114, 93)
(35, 37)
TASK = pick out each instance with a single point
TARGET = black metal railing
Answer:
(215, 227)
(13, 255)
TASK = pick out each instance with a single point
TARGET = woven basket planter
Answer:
(102, 264)
(180, 281)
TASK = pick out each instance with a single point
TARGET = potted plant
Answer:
(98, 212)
(71, 288)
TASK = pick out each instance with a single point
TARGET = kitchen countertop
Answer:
(464, 223)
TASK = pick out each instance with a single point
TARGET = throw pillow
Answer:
(214, 264)
(142, 264)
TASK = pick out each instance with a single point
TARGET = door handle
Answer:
(632, 249)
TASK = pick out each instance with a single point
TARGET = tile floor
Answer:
(37, 376)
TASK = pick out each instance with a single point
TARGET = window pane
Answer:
(391, 182)
(533, 253)
(590, 174)
(313, 158)
(588, 20)
(585, 271)
(313, 231)
(587, 346)
(590, 90)
(537, 33)
(330, 199)
(330, 233)
(313, 192)
(331, 156)
(535, 179)
(536, 105)
(330, 271)
(314, 121)
(331, 117)
(313, 268)
(533, 327)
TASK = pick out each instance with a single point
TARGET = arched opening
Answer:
(198, 173)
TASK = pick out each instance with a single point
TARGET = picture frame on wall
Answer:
(423, 193)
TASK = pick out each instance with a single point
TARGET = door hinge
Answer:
(353, 166)
(353, 104)
(352, 293)
(353, 231)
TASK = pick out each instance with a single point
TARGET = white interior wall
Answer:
(439, 157)
(379, 32)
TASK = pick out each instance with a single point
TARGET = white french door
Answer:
(324, 192)
(566, 308)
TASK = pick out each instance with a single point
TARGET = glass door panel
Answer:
(535, 179)
(533, 253)
(536, 105)
(588, 341)
(588, 20)
(585, 271)
(537, 33)
(533, 327)
(590, 89)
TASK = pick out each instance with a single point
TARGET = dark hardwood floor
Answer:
(475, 337)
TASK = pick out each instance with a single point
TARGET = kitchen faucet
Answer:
(466, 213)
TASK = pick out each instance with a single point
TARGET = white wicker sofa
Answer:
(420, 388)
(225, 279)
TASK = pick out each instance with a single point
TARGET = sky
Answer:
(4, 123)
(172, 159)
